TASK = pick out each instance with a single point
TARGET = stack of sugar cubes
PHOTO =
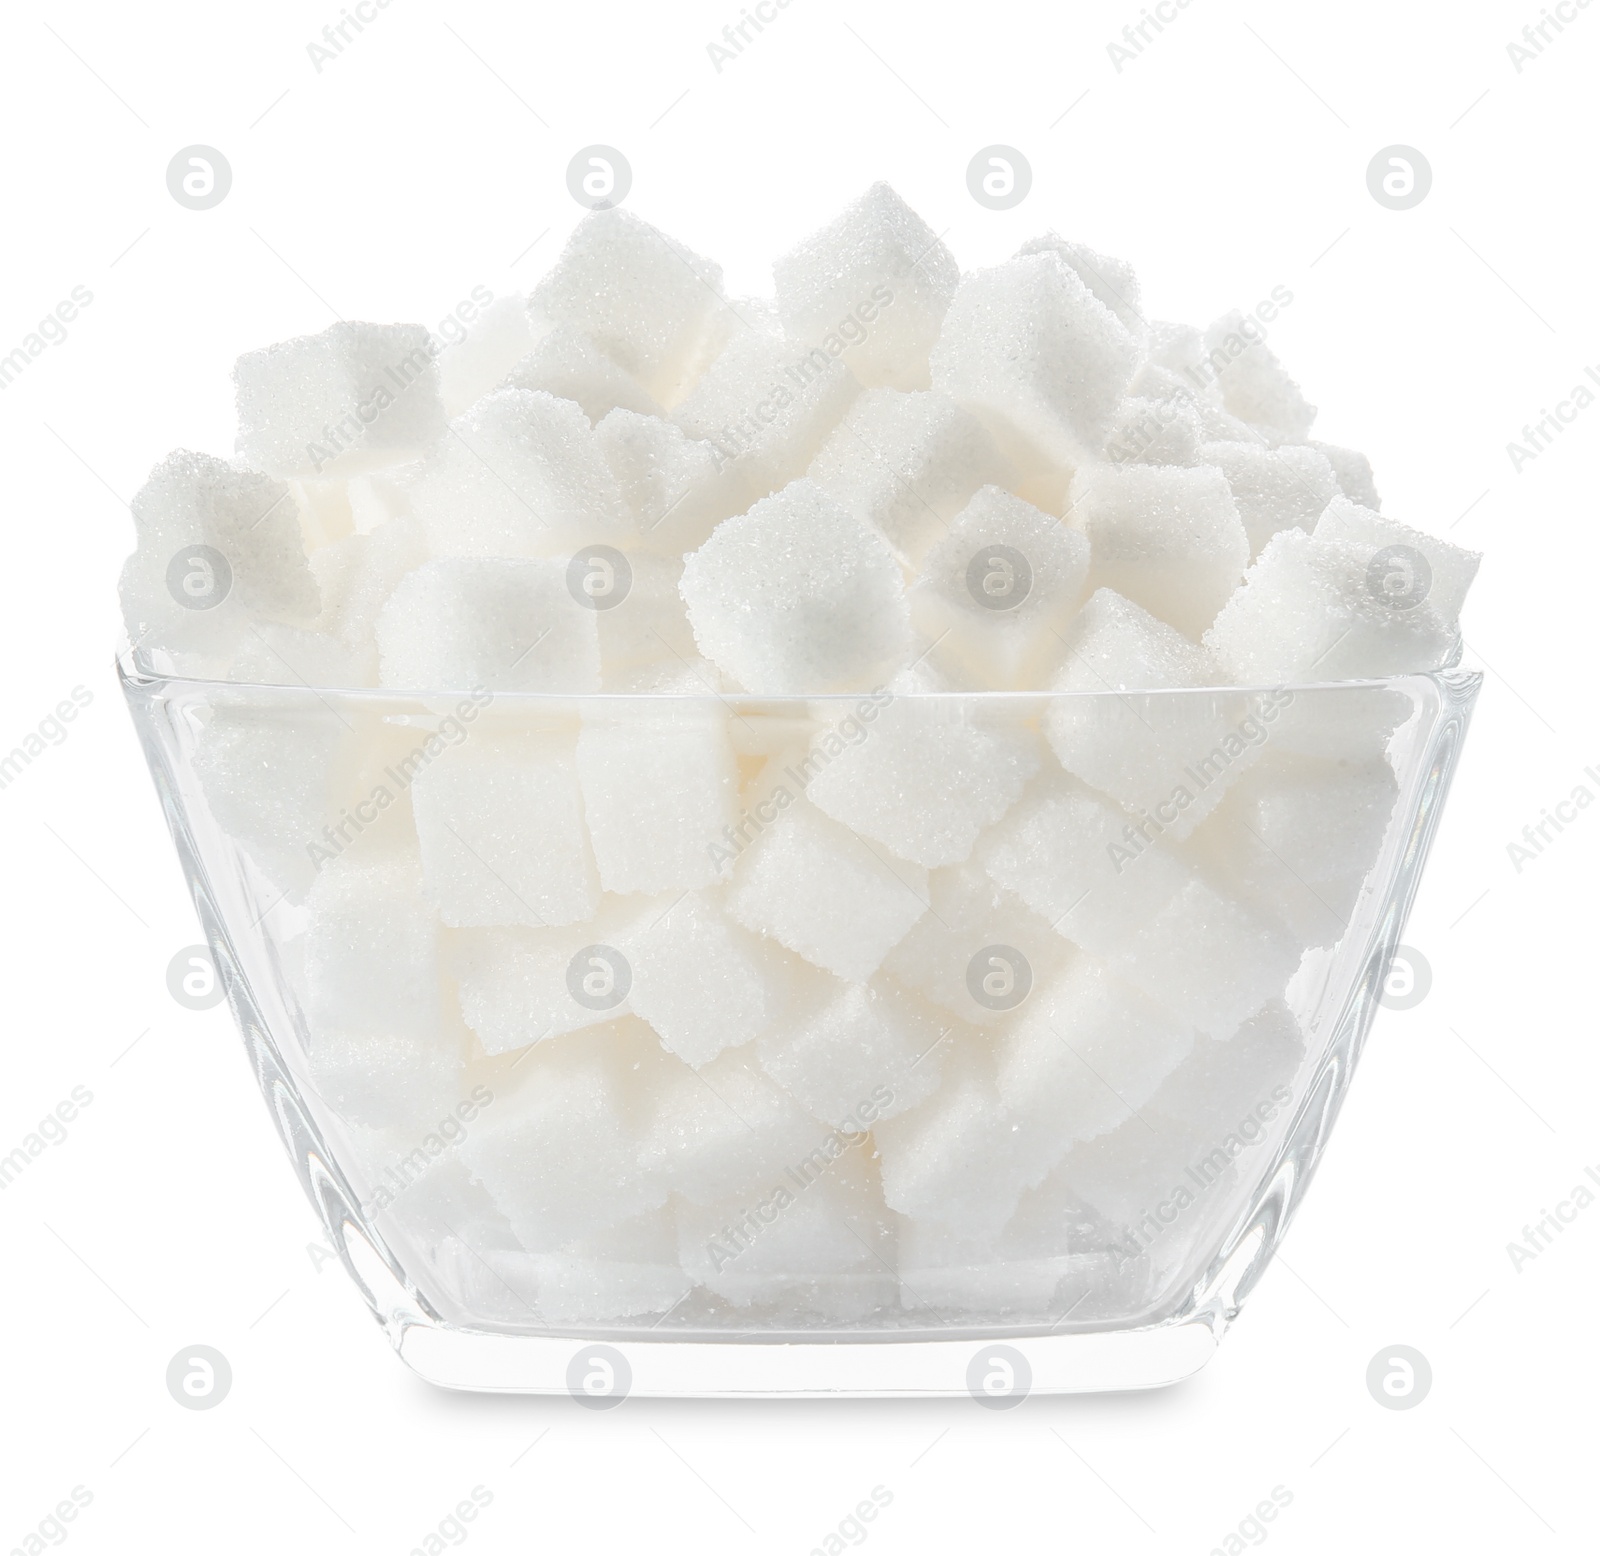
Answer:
(792, 983)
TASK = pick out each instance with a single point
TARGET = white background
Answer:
(430, 157)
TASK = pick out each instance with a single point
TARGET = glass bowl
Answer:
(891, 1044)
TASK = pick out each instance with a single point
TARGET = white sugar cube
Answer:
(798, 596)
(355, 397)
(1086, 1052)
(1354, 472)
(1301, 836)
(996, 590)
(1172, 756)
(372, 948)
(819, 889)
(1449, 569)
(519, 475)
(569, 365)
(1157, 431)
(272, 654)
(928, 776)
(385, 1079)
(978, 951)
(1229, 1077)
(1028, 347)
(871, 287)
(825, 1241)
(639, 615)
(962, 1158)
(1254, 385)
(658, 790)
(556, 1149)
(1112, 280)
(1318, 610)
(469, 622)
(907, 463)
(495, 341)
(866, 1053)
(1136, 1177)
(1082, 864)
(518, 987)
(642, 297)
(500, 821)
(702, 981)
(176, 595)
(357, 575)
(767, 405)
(677, 489)
(1273, 488)
(623, 1272)
(1170, 539)
(724, 1129)
(1208, 957)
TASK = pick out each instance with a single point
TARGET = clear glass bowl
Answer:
(989, 1093)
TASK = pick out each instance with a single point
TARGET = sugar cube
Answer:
(1318, 610)
(818, 888)
(798, 596)
(519, 475)
(500, 822)
(642, 297)
(355, 397)
(1449, 570)
(1273, 488)
(1354, 473)
(658, 791)
(626, 1271)
(1254, 386)
(1112, 281)
(1157, 431)
(386, 1079)
(871, 287)
(995, 590)
(1029, 348)
(1168, 538)
(907, 464)
(567, 364)
(469, 622)
(495, 341)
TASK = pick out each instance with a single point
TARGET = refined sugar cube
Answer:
(1112, 281)
(704, 982)
(176, 593)
(962, 1158)
(1170, 539)
(1082, 864)
(496, 340)
(356, 397)
(658, 792)
(907, 463)
(469, 622)
(372, 948)
(1254, 386)
(519, 986)
(500, 821)
(1157, 431)
(978, 951)
(642, 297)
(798, 596)
(1173, 756)
(1316, 610)
(639, 614)
(871, 288)
(1273, 488)
(676, 489)
(822, 1236)
(1029, 348)
(1354, 473)
(625, 1271)
(567, 364)
(385, 1079)
(519, 475)
(821, 890)
(767, 405)
(996, 590)
(1087, 1052)
(276, 655)
(724, 1129)
(557, 1148)
(926, 778)
(357, 575)
(867, 1052)
(1447, 570)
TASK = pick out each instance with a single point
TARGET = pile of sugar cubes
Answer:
(786, 985)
